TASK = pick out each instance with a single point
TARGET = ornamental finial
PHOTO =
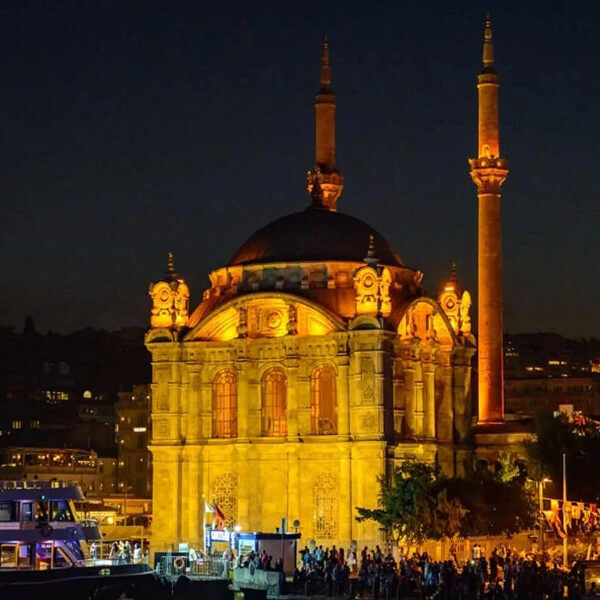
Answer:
(488, 48)
(371, 258)
(325, 68)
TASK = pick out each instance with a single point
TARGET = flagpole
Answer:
(204, 523)
(565, 539)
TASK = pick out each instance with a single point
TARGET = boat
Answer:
(44, 549)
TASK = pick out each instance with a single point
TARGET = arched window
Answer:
(274, 403)
(224, 405)
(323, 401)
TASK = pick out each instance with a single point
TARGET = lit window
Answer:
(274, 403)
(34, 424)
(323, 401)
(16, 424)
(224, 405)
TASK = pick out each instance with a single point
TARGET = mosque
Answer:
(315, 362)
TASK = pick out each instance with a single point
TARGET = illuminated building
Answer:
(526, 396)
(94, 475)
(133, 435)
(313, 365)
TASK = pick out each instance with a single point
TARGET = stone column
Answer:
(343, 400)
(429, 387)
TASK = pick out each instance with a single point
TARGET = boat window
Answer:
(59, 511)
(75, 548)
(6, 511)
(60, 558)
(41, 511)
(8, 555)
(43, 555)
(24, 555)
(27, 511)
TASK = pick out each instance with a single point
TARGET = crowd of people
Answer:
(120, 552)
(260, 560)
(376, 574)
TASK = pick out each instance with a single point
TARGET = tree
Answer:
(415, 505)
(580, 441)
(500, 503)
(420, 503)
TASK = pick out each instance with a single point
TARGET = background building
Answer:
(134, 433)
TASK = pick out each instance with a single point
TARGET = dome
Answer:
(314, 235)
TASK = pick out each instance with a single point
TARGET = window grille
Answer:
(323, 401)
(224, 405)
(274, 403)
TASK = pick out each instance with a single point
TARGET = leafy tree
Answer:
(498, 503)
(580, 441)
(509, 469)
(415, 505)
(422, 503)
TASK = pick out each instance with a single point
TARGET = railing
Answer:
(110, 562)
(88, 522)
(32, 525)
(24, 484)
(203, 566)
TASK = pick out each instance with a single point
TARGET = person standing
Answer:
(114, 552)
(192, 558)
(94, 551)
(351, 561)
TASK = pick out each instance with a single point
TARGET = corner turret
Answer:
(170, 299)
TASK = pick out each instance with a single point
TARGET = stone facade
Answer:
(391, 394)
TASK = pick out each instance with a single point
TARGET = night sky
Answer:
(134, 128)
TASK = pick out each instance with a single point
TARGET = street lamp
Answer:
(541, 498)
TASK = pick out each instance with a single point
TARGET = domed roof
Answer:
(314, 235)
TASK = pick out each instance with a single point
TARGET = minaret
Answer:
(330, 180)
(489, 171)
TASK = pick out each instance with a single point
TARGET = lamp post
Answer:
(543, 480)
(565, 539)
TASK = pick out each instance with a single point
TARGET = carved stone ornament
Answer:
(488, 173)
(242, 328)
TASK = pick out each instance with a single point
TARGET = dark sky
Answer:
(132, 128)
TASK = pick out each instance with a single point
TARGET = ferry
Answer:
(44, 549)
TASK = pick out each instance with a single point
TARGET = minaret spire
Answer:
(488, 47)
(325, 68)
(328, 176)
(488, 172)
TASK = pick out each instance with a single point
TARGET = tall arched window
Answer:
(274, 403)
(224, 405)
(323, 401)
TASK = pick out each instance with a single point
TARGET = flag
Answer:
(554, 511)
(208, 507)
(218, 513)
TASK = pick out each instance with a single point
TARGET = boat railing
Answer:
(24, 484)
(203, 566)
(110, 562)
